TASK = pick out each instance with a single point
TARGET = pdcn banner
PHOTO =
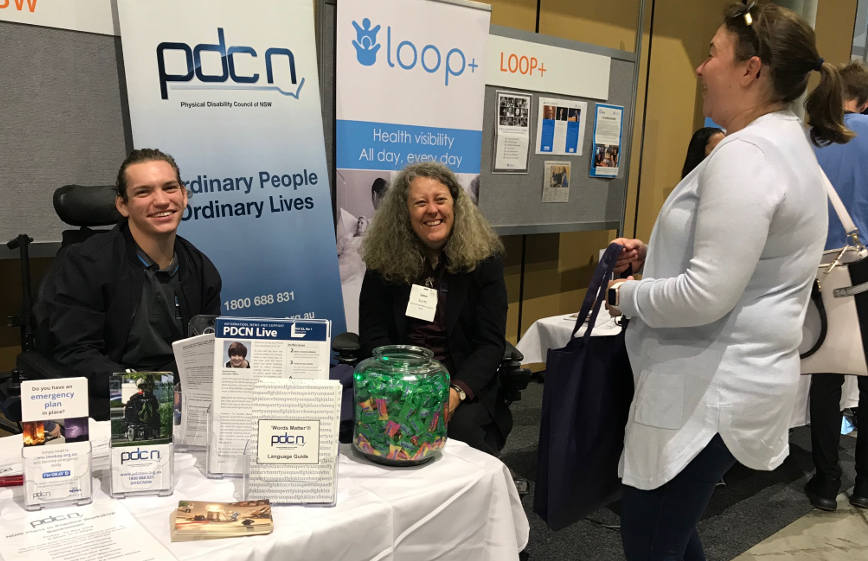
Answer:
(410, 88)
(231, 91)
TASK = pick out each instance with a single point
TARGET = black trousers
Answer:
(660, 524)
(472, 424)
(825, 399)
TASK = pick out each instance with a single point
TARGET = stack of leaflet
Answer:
(205, 520)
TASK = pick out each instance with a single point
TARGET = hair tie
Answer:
(819, 64)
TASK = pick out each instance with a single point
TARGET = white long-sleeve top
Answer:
(716, 321)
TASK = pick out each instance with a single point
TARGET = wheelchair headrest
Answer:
(82, 205)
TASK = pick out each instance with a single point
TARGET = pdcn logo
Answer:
(55, 518)
(138, 455)
(229, 72)
(407, 55)
(287, 440)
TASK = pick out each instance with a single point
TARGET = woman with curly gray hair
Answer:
(429, 235)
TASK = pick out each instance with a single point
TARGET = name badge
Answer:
(423, 303)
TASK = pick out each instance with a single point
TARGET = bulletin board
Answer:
(513, 203)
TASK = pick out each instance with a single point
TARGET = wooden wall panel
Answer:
(834, 29)
(520, 14)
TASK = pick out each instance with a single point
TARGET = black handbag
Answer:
(587, 395)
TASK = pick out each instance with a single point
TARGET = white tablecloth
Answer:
(460, 506)
(554, 332)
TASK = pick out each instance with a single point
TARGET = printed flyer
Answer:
(57, 452)
(142, 408)
(245, 350)
(195, 359)
(102, 530)
(512, 133)
(293, 454)
(607, 141)
(561, 126)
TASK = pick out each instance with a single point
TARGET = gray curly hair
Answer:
(392, 248)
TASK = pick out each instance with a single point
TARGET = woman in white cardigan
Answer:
(715, 322)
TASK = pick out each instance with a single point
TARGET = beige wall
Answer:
(557, 266)
(834, 29)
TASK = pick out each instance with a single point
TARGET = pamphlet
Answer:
(102, 530)
(561, 126)
(56, 454)
(245, 350)
(204, 520)
(195, 359)
(142, 405)
(293, 454)
(512, 133)
(606, 156)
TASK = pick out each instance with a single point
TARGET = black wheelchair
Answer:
(90, 209)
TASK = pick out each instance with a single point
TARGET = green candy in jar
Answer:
(401, 400)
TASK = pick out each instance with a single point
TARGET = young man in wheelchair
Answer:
(118, 300)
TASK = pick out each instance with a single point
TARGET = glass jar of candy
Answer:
(401, 398)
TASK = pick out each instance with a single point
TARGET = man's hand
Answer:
(633, 255)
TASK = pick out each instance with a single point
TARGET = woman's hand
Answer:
(614, 311)
(633, 255)
(454, 402)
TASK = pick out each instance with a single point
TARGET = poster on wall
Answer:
(606, 156)
(410, 89)
(512, 132)
(234, 97)
(556, 182)
(560, 126)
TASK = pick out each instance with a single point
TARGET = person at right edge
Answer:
(845, 167)
(716, 320)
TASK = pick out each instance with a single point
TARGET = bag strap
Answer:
(849, 226)
(817, 299)
(597, 289)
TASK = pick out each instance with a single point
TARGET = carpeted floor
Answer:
(752, 506)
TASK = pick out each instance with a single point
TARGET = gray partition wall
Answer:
(513, 201)
(64, 120)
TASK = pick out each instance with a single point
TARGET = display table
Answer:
(554, 332)
(460, 506)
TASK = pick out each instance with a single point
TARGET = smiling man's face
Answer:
(155, 199)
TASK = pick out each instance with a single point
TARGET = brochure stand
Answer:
(247, 350)
(142, 452)
(211, 470)
(57, 476)
(292, 455)
(56, 451)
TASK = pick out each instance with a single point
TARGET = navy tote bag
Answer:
(588, 389)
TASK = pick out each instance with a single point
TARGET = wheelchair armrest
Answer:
(35, 366)
(347, 346)
(511, 354)
(513, 378)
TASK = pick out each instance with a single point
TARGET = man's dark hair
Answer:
(855, 78)
(138, 156)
